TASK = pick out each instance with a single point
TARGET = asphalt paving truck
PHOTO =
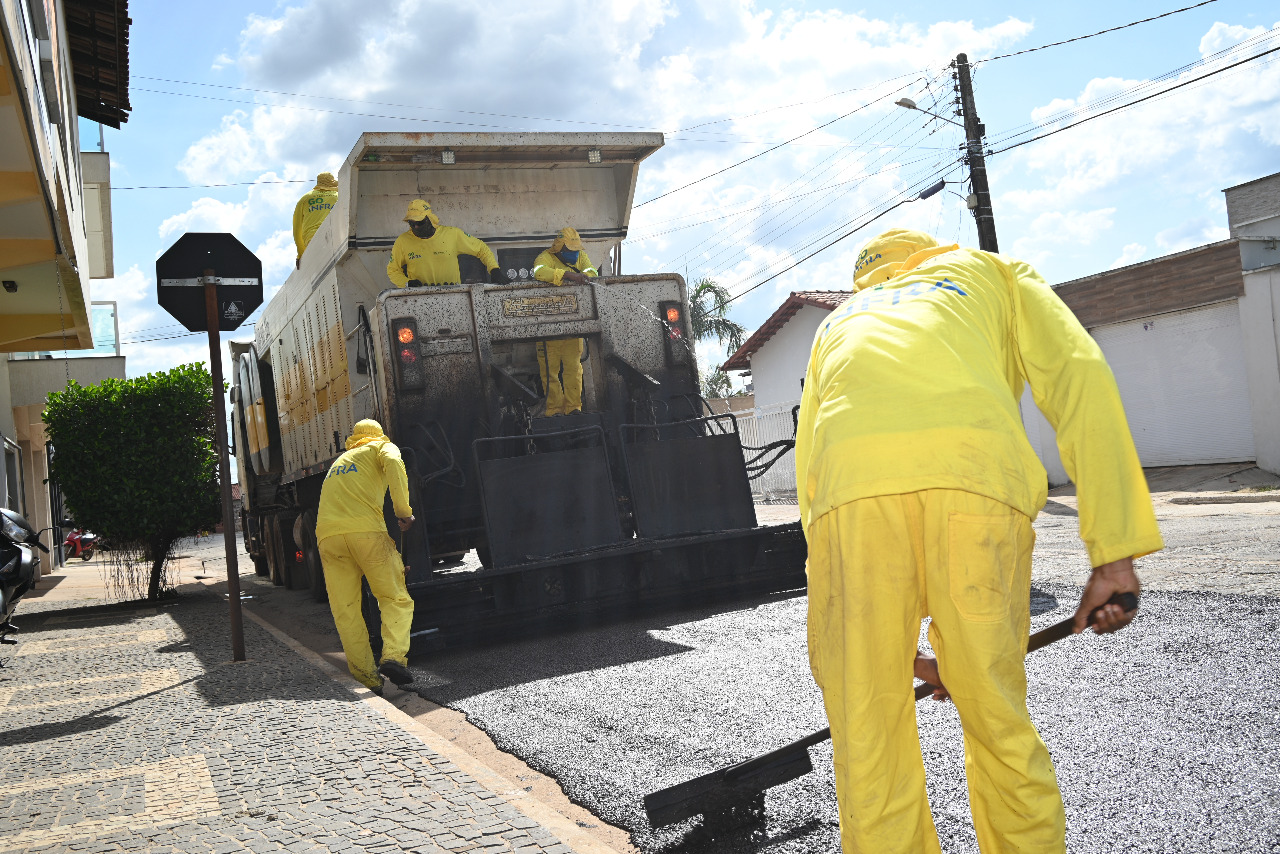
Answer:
(641, 500)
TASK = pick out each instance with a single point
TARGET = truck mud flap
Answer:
(546, 494)
(687, 477)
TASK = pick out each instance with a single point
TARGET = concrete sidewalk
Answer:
(127, 728)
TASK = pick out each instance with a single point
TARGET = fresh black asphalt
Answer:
(1165, 736)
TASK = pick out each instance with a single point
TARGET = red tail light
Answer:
(404, 333)
(298, 556)
(673, 314)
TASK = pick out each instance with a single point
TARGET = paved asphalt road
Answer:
(1165, 737)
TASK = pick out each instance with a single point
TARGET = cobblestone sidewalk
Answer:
(127, 728)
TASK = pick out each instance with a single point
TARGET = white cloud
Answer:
(1188, 235)
(1131, 254)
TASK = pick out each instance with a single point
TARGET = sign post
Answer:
(211, 282)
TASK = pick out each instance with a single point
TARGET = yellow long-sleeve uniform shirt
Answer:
(352, 495)
(914, 385)
(434, 261)
(310, 211)
(548, 267)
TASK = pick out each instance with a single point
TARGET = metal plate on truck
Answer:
(540, 306)
(550, 502)
(687, 477)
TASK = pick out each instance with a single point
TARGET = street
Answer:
(1164, 736)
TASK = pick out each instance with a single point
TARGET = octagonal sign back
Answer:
(180, 273)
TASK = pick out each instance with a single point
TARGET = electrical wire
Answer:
(1138, 101)
(769, 150)
(811, 175)
(1098, 33)
(203, 186)
(847, 234)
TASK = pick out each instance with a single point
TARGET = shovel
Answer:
(743, 785)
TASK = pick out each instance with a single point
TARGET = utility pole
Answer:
(974, 130)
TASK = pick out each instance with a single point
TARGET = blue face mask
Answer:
(568, 256)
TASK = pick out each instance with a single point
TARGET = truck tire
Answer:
(271, 544)
(295, 574)
(311, 557)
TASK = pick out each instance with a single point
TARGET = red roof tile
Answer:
(830, 300)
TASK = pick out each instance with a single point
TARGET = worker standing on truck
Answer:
(560, 360)
(311, 210)
(427, 254)
(354, 544)
(917, 489)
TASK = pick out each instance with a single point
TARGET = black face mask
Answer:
(422, 228)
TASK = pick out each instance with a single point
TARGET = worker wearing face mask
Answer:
(427, 254)
(560, 360)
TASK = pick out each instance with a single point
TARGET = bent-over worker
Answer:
(427, 254)
(354, 544)
(311, 210)
(917, 488)
(560, 360)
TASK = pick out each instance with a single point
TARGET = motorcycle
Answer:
(19, 566)
(79, 542)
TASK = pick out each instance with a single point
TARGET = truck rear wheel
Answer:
(311, 557)
(271, 545)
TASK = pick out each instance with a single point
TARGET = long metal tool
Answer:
(728, 789)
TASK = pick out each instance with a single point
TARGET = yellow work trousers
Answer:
(877, 567)
(346, 559)
(563, 395)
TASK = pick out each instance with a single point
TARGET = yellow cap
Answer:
(364, 432)
(567, 238)
(326, 181)
(420, 210)
(883, 256)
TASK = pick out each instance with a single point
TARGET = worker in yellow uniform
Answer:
(311, 210)
(354, 544)
(427, 254)
(560, 360)
(917, 488)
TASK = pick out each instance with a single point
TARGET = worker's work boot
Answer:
(396, 672)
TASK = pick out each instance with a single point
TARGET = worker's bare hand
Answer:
(1107, 580)
(574, 277)
(926, 670)
(405, 522)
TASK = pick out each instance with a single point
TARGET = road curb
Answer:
(1228, 498)
(565, 830)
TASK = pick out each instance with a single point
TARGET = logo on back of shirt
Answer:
(881, 297)
(344, 468)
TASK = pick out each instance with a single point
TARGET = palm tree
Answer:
(707, 306)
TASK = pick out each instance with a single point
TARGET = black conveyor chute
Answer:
(633, 375)
(513, 386)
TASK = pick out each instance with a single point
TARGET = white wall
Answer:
(1260, 327)
(778, 366)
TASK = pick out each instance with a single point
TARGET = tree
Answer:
(716, 385)
(708, 305)
(136, 460)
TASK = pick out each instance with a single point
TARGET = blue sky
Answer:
(1141, 183)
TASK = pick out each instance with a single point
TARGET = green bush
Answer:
(136, 460)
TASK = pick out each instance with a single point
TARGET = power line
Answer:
(817, 171)
(203, 186)
(1140, 100)
(372, 103)
(768, 150)
(827, 246)
(1098, 33)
